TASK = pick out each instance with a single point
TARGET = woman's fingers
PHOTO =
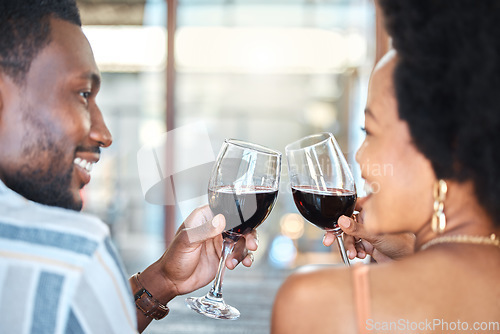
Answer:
(360, 249)
(329, 239)
(353, 237)
(349, 240)
(352, 226)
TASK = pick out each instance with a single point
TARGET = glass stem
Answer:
(216, 291)
(343, 253)
(340, 243)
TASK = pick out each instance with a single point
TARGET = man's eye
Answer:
(85, 95)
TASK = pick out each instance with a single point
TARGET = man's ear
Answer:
(2, 85)
(5, 83)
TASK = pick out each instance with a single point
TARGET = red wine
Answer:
(323, 208)
(244, 208)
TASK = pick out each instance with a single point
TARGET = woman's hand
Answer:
(359, 242)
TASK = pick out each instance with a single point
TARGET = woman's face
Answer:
(401, 178)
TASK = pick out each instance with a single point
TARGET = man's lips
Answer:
(84, 164)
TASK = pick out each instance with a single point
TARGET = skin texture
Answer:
(51, 119)
(427, 285)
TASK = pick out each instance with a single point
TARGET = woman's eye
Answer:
(365, 131)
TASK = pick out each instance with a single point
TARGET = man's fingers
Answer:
(243, 251)
(239, 253)
(252, 240)
(207, 230)
(248, 260)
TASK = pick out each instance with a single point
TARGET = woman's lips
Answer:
(368, 189)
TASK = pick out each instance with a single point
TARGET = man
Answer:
(59, 272)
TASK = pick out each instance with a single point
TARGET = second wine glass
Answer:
(322, 184)
(243, 187)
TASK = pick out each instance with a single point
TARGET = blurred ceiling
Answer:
(131, 12)
(111, 12)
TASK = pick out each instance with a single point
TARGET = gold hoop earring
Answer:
(438, 223)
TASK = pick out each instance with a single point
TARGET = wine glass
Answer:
(243, 187)
(322, 184)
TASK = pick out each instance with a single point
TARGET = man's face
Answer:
(50, 126)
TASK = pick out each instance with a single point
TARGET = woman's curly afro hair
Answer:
(447, 83)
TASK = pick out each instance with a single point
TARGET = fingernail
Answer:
(234, 262)
(344, 222)
(216, 221)
(348, 253)
(324, 238)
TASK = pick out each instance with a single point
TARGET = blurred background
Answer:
(266, 71)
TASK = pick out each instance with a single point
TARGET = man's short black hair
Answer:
(25, 31)
(447, 83)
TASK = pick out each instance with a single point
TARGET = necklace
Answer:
(464, 239)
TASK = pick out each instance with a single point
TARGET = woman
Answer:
(433, 114)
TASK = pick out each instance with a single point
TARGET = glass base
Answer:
(213, 308)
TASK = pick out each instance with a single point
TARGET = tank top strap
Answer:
(361, 290)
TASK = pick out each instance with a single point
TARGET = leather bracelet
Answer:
(145, 301)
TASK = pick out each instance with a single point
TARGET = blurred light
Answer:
(270, 50)
(227, 49)
(321, 114)
(292, 225)
(356, 49)
(128, 48)
(283, 252)
(150, 131)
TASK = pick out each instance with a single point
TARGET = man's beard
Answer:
(46, 174)
(45, 187)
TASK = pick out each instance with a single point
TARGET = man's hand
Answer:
(359, 242)
(192, 259)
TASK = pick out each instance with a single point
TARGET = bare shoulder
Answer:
(436, 285)
(314, 301)
(449, 284)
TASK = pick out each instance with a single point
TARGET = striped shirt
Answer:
(59, 272)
